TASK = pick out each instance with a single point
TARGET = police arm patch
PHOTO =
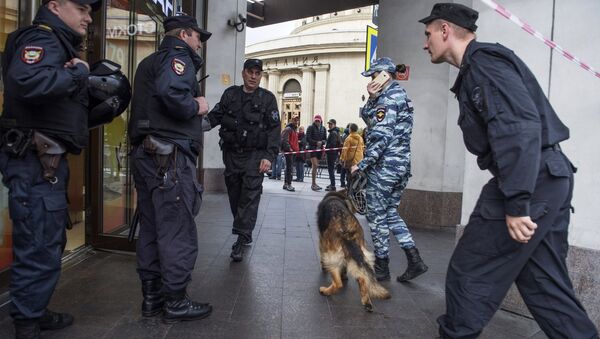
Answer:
(32, 54)
(178, 66)
(275, 115)
(380, 114)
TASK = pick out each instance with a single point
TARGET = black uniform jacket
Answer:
(40, 93)
(248, 121)
(165, 86)
(506, 120)
(333, 139)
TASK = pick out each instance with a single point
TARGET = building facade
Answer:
(316, 69)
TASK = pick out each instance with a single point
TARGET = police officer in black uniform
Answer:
(518, 230)
(45, 104)
(250, 129)
(165, 130)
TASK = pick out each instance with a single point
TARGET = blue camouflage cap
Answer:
(380, 64)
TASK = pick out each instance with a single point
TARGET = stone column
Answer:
(308, 89)
(224, 59)
(321, 89)
(264, 81)
(274, 85)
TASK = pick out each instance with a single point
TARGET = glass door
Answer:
(133, 31)
(130, 31)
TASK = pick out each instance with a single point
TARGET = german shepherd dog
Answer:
(342, 248)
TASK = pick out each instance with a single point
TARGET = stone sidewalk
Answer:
(273, 293)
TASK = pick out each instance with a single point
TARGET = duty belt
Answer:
(15, 142)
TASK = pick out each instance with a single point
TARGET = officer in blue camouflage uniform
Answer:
(518, 231)
(388, 115)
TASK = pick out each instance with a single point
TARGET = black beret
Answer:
(250, 63)
(457, 14)
(185, 21)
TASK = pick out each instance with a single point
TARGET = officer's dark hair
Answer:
(175, 32)
(353, 127)
(459, 31)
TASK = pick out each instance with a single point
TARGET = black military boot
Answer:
(179, 307)
(153, 299)
(55, 321)
(382, 270)
(416, 266)
(27, 329)
(237, 250)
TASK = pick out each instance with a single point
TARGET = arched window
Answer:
(292, 86)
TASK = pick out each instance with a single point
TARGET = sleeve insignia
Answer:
(32, 55)
(178, 66)
(380, 114)
(477, 99)
(275, 115)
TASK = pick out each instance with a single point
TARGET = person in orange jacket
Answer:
(353, 151)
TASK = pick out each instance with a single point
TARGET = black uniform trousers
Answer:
(331, 160)
(167, 245)
(487, 261)
(39, 213)
(244, 187)
(289, 168)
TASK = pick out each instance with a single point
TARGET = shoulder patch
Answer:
(178, 66)
(275, 115)
(32, 54)
(380, 114)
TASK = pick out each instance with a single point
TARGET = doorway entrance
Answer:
(132, 31)
(292, 102)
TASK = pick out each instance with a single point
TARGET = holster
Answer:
(161, 150)
(49, 152)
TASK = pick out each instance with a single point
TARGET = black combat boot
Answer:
(179, 307)
(153, 299)
(416, 266)
(55, 321)
(27, 329)
(237, 250)
(382, 270)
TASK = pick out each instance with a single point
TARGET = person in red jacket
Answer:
(289, 143)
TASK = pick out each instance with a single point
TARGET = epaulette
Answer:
(45, 27)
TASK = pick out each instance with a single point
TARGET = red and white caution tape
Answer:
(527, 28)
(318, 150)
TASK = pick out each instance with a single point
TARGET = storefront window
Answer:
(8, 23)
